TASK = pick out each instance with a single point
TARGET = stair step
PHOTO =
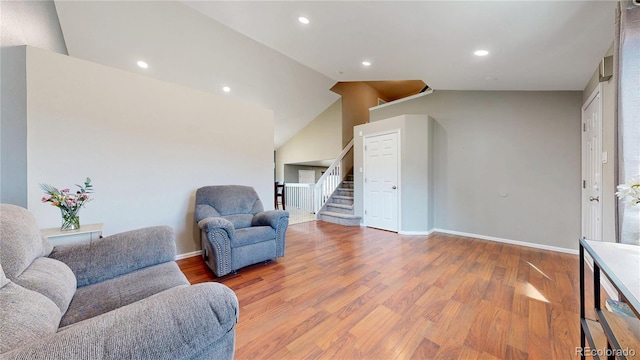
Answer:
(340, 208)
(339, 218)
(341, 199)
(340, 215)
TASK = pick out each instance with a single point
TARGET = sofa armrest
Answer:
(187, 322)
(213, 223)
(118, 254)
(277, 219)
(216, 235)
(270, 218)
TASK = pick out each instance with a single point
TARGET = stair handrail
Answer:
(321, 194)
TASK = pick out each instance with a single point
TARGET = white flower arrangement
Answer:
(630, 192)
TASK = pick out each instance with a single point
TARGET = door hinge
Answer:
(584, 184)
(365, 212)
(584, 127)
(365, 179)
(365, 148)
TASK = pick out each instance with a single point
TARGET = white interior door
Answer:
(381, 181)
(306, 176)
(592, 167)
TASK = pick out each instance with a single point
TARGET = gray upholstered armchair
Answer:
(118, 297)
(235, 229)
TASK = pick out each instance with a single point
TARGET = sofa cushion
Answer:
(253, 235)
(240, 221)
(51, 278)
(118, 254)
(227, 200)
(96, 299)
(21, 239)
(189, 322)
(26, 316)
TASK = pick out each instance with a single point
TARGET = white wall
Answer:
(147, 144)
(507, 164)
(319, 140)
(187, 47)
(21, 23)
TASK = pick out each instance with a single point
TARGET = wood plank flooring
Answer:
(360, 293)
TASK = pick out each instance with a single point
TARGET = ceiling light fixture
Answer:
(481, 53)
(142, 64)
(226, 89)
(366, 63)
(303, 20)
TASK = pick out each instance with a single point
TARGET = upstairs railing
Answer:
(330, 180)
(300, 196)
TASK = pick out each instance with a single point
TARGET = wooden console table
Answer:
(620, 263)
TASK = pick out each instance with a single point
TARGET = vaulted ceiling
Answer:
(265, 56)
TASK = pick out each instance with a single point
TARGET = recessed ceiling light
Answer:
(481, 53)
(142, 64)
(226, 89)
(366, 63)
(303, 20)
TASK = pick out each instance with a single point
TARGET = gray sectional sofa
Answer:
(119, 297)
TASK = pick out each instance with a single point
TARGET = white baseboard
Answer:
(188, 255)
(428, 232)
(508, 241)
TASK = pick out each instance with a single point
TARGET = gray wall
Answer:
(291, 172)
(415, 184)
(21, 23)
(13, 127)
(506, 164)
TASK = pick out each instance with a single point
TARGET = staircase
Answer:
(339, 207)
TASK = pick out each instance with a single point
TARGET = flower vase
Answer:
(70, 220)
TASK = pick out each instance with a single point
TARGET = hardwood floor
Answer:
(360, 293)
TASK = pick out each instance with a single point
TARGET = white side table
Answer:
(84, 234)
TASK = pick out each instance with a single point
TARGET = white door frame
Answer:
(399, 180)
(597, 92)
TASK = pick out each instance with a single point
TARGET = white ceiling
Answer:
(534, 45)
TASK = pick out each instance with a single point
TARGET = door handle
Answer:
(394, 187)
(597, 198)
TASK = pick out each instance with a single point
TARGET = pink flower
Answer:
(65, 190)
(46, 198)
